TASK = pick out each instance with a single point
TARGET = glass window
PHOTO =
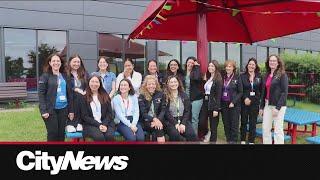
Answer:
(167, 50)
(20, 47)
(234, 53)
(48, 43)
(273, 51)
(112, 46)
(136, 50)
(290, 51)
(301, 52)
(218, 52)
(261, 54)
(189, 48)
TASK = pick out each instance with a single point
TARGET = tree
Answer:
(44, 50)
(14, 67)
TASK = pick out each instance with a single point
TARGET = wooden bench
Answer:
(13, 91)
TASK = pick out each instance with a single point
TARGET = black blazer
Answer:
(196, 84)
(257, 88)
(159, 103)
(278, 91)
(235, 89)
(215, 96)
(169, 119)
(107, 115)
(48, 84)
(84, 82)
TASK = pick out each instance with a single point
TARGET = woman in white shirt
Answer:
(130, 74)
(96, 112)
(126, 108)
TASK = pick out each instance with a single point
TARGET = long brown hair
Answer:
(167, 91)
(143, 88)
(48, 69)
(103, 96)
(280, 69)
(81, 71)
(217, 74)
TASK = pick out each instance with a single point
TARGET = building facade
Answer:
(30, 30)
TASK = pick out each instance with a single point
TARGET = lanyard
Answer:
(126, 107)
(152, 108)
(226, 84)
(177, 103)
(251, 82)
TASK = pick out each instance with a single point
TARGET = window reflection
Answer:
(20, 47)
(218, 52)
(167, 50)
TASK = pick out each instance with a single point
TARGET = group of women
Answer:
(184, 105)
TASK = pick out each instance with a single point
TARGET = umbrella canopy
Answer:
(240, 21)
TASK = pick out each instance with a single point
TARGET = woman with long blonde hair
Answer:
(152, 108)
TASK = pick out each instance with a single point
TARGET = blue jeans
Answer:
(127, 133)
(196, 107)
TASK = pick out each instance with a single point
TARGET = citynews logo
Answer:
(42, 161)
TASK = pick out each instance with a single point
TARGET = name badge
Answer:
(206, 97)
(62, 98)
(225, 94)
(59, 89)
(252, 93)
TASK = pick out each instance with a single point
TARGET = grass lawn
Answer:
(27, 125)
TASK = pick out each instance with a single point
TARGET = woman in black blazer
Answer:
(152, 106)
(96, 112)
(231, 102)
(55, 97)
(178, 114)
(273, 100)
(79, 80)
(211, 104)
(252, 86)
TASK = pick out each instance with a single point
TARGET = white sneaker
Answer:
(70, 129)
(79, 127)
(207, 137)
(242, 142)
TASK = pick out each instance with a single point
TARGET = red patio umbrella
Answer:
(240, 21)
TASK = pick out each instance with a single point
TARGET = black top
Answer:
(196, 84)
(278, 91)
(48, 84)
(107, 114)
(169, 119)
(235, 90)
(84, 81)
(215, 95)
(247, 88)
(159, 103)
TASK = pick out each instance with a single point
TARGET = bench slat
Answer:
(12, 84)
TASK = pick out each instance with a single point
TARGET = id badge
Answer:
(252, 93)
(206, 97)
(62, 98)
(59, 89)
(225, 94)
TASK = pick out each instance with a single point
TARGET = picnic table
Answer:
(297, 92)
(298, 117)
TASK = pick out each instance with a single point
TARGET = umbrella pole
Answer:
(202, 38)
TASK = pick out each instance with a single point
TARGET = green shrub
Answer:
(313, 93)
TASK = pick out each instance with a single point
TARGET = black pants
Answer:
(95, 133)
(249, 113)
(230, 119)
(188, 135)
(203, 122)
(146, 125)
(55, 124)
(76, 105)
